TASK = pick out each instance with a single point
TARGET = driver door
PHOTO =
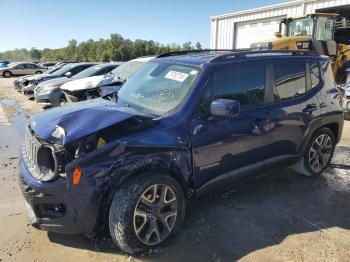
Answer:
(223, 144)
(18, 70)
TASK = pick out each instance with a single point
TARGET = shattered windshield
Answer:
(300, 27)
(157, 88)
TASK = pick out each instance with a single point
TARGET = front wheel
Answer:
(145, 212)
(38, 72)
(318, 153)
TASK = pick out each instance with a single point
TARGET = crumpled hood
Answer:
(78, 119)
(56, 81)
(84, 83)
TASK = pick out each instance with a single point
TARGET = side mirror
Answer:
(225, 108)
(278, 34)
(68, 74)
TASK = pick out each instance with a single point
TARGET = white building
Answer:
(240, 29)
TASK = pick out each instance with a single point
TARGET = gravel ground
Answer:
(280, 216)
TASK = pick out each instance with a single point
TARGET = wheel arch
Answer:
(167, 163)
(331, 124)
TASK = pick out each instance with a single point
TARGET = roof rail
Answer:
(243, 54)
(185, 52)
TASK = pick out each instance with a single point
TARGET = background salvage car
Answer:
(103, 86)
(23, 81)
(21, 69)
(65, 72)
(49, 93)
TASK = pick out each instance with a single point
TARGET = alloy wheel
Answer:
(155, 214)
(320, 152)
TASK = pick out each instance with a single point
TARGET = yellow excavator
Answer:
(325, 33)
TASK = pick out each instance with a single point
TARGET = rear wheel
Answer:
(7, 74)
(145, 212)
(318, 153)
(38, 72)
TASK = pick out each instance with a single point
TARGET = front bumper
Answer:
(17, 84)
(52, 98)
(57, 206)
(29, 90)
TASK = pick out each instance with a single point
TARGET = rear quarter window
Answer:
(328, 75)
(315, 74)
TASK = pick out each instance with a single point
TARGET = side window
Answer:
(245, 84)
(107, 70)
(29, 66)
(77, 70)
(82, 68)
(21, 66)
(289, 80)
(315, 74)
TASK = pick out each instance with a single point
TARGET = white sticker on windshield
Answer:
(177, 76)
(193, 72)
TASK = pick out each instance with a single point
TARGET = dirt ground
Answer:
(279, 217)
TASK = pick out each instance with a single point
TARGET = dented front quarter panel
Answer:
(104, 170)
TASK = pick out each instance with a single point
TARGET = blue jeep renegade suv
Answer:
(185, 123)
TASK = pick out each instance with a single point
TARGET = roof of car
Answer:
(79, 64)
(197, 58)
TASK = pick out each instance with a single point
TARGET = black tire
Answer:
(63, 100)
(123, 208)
(6, 74)
(38, 72)
(304, 167)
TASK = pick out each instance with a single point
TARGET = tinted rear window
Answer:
(289, 80)
(315, 74)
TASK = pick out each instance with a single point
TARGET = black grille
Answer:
(39, 158)
(31, 148)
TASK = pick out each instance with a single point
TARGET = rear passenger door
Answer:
(29, 69)
(222, 144)
(295, 105)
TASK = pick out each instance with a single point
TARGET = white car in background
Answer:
(101, 86)
(22, 69)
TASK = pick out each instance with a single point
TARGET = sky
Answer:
(52, 23)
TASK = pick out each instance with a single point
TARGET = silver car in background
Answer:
(23, 81)
(23, 68)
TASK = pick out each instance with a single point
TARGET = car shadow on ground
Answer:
(250, 215)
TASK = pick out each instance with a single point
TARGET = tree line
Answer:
(116, 48)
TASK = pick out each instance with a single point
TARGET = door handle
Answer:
(310, 108)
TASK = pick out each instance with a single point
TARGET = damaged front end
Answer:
(92, 88)
(66, 172)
